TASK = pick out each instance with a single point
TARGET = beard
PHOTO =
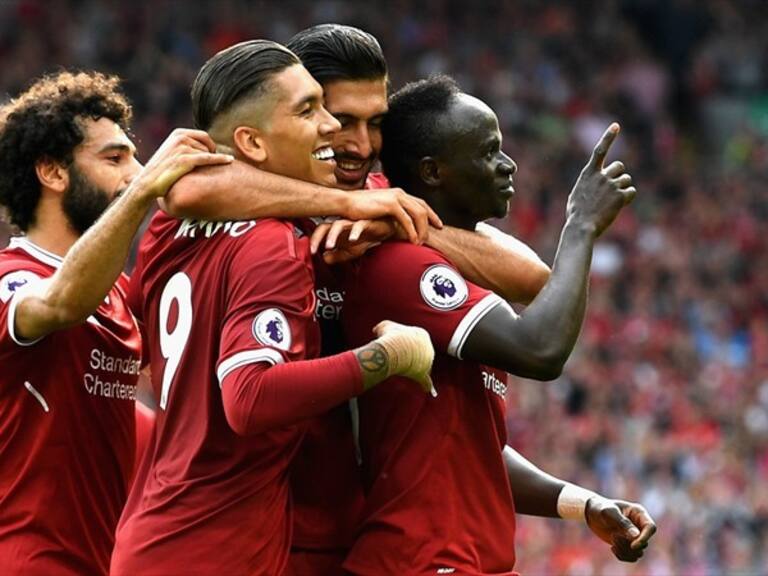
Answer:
(83, 202)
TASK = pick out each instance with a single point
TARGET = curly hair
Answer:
(46, 122)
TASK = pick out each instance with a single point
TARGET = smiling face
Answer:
(359, 106)
(475, 175)
(298, 133)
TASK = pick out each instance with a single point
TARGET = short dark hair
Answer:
(410, 130)
(337, 52)
(46, 122)
(234, 73)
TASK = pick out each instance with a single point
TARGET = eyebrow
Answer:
(117, 147)
(310, 99)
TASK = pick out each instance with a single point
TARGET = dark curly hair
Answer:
(46, 122)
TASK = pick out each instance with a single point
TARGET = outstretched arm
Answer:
(95, 261)
(241, 191)
(538, 342)
(626, 526)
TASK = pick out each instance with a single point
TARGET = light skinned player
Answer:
(229, 313)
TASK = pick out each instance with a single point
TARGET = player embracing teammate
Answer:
(231, 312)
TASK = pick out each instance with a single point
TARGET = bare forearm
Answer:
(553, 320)
(535, 492)
(514, 273)
(88, 272)
(238, 191)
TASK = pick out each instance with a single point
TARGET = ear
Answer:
(52, 174)
(250, 143)
(429, 171)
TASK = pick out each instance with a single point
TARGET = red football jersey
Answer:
(216, 297)
(325, 475)
(438, 500)
(66, 428)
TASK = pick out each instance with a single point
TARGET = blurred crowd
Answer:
(665, 400)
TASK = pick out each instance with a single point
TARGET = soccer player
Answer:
(69, 348)
(350, 65)
(229, 311)
(441, 487)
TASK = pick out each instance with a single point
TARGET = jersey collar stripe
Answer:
(247, 357)
(35, 251)
(468, 323)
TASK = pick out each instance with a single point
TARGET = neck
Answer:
(51, 231)
(448, 214)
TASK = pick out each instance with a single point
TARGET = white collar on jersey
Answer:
(35, 251)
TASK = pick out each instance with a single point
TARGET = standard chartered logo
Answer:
(110, 374)
(494, 384)
(329, 304)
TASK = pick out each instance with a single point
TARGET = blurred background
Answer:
(665, 400)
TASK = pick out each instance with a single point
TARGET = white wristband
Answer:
(572, 501)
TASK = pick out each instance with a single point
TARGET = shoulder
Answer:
(275, 239)
(18, 270)
(398, 268)
(401, 256)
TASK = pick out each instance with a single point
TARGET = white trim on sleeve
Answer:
(246, 357)
(470, 320)
(12, 322)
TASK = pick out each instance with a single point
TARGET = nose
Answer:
(328, 123)
(507, 166)
(361, 141)
(133, 170)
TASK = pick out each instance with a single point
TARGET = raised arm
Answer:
(240, 191)
(493, 260)
(95, 261)
(538, 342)
(626, 526)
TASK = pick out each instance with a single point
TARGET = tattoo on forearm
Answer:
(372, 358)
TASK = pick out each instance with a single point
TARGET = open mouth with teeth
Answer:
(325, 153)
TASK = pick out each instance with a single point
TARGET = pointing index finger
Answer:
(603, 145)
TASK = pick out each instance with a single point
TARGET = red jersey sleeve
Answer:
(14, 280)
(270, 311)
(416, 285)
(270, 322)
